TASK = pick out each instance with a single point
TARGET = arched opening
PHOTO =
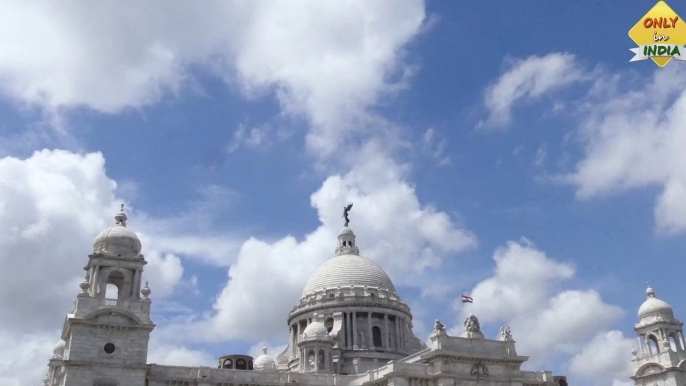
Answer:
(653, 346)
(228, 364)
(249, 365)
(321, 360)
(111, 291)
(241, 364)
(310, 360)
(115, 282)
(329, 324)
(376, 336)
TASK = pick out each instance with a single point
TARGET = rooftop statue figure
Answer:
(346, 209)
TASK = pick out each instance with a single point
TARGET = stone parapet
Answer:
(159, 375)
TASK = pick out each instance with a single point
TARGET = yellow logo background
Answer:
(642, 35)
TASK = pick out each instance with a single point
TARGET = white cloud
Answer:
(530, 78)
(326, 62)
(248, 138)
(605, 358)
(435, 147)
(393, 229)
(24, 356)
(524, 293)
(163, 271)
(634, 139)
(177, 355)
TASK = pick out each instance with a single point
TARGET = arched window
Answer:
(249, 365)
(329, 324)
(376, 336)
(241, 364)
(653, 346)
(228, 364)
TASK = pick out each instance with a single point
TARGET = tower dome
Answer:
(654, 306)
(264, 361)
(118, 239)
(348, 268)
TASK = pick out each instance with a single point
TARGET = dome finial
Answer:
(264, 349)
(650, 292)
(120, 217)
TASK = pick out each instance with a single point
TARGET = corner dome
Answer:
(347, 270)
(264, 361)
(118, 239)
(317, 327)
(654, 306)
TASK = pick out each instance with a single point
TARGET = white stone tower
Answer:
(661, 354)
(105, 336)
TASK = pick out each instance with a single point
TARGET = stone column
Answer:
(96, 277)
(298, 333)
(136, 284)
(355, 342)
(370, 339)
(397, 333)
(402, 334)
(348, 331)
(386, 343)
(316, 360)
(291, 344)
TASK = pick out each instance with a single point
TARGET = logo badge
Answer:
(660, 35)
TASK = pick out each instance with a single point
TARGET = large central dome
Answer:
(347, 270)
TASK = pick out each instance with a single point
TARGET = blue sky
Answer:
(217, 146)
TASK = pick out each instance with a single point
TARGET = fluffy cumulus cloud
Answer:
(524, 293)
(393, 228)
(327, 62)
(633, 139)
(528, 79)
(605, 360)
(52, 205)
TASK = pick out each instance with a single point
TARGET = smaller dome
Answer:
(118, 239)
(654, 306)
(264, 361)
(346, 231)
(317, 327)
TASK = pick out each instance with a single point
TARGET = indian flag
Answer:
(467, 299)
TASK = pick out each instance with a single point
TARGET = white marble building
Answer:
(661, 356)
(348, 328)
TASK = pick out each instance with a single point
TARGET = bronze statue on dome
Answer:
(346, 209)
